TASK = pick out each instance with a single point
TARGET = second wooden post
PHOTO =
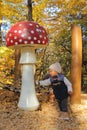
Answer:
(76, 64)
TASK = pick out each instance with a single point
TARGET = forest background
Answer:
(56, 16)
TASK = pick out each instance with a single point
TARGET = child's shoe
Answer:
(64, 116)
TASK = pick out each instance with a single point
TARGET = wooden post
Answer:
(17, 67)
(76, 64)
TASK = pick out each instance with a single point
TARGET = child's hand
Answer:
(70, 92)
(37, 82)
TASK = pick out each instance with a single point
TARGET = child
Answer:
(61, 86)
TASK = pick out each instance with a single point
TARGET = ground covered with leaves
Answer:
(46, 118)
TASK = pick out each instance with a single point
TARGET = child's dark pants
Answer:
(63, 104)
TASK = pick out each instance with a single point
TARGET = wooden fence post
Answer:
(76, 63)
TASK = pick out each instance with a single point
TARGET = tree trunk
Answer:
(17, 67)
(76, 64)
(30, 10)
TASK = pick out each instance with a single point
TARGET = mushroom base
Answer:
(29, 108)
(28, 99)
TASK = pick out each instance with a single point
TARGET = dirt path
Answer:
(12, 118)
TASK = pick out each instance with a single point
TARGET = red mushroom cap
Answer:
(26, 33)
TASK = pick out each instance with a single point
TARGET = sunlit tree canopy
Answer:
(56, 16)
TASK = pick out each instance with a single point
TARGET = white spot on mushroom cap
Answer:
(20, 24)
(43, 42)
(32, 42)
(29, 38)
(30, 24)
(32, 31)
(16, 43)
(15, 31)
(10, 35)
(35, 38)
(44, 37)
(37, 30)
(37, 26)
(25, 42)
(25, 29)
(43, 31)
(7, 39)
(20, 40)
(23, 35)
(19, 31)
(40, 36)
(15, 37)
(11, 41)
(39, 41)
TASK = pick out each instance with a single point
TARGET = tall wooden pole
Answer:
(76, 63)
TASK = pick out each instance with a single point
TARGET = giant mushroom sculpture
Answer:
(29, 36)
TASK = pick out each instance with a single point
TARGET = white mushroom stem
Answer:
(28, 99)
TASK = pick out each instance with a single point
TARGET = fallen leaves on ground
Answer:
(46, 118)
